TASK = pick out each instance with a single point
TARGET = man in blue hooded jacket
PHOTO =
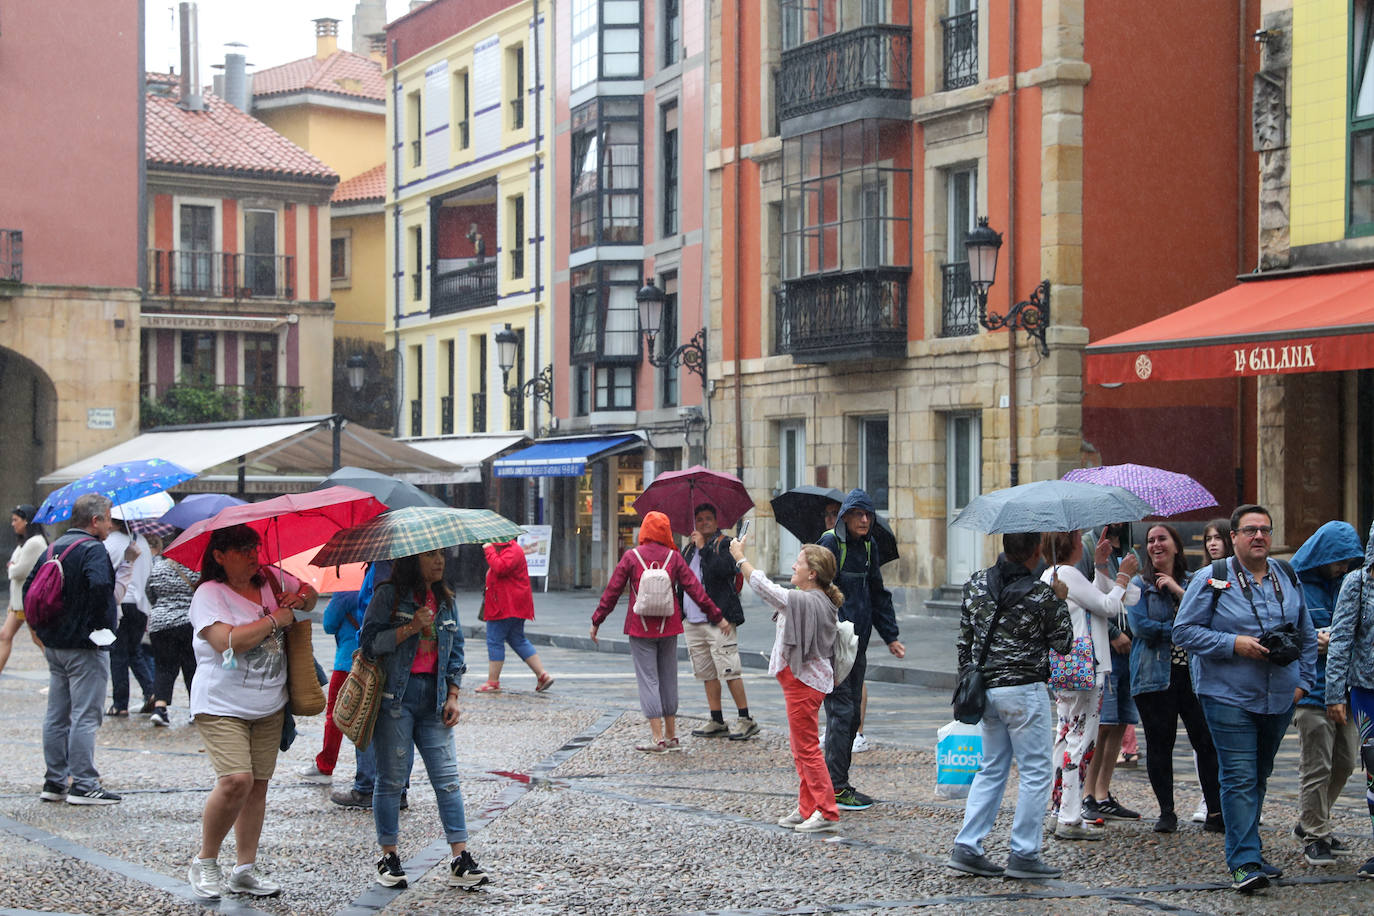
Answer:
(1328, 751)
(867, 604)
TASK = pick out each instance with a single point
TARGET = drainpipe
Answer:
(534, 511)
(739, 399)
(398, 383)
(1011, 234)
(1242, 49)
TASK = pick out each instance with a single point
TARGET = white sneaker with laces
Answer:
(816, 823)
(792, 819)
(1200, 815)
(311, 773)
(249, 881)
(205, 878)
(860, 744)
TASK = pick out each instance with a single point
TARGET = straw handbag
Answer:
(307, 699)
(359, 699)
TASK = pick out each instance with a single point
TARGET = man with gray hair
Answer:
(78, 669)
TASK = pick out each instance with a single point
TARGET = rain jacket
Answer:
(1334, 542)
(655, 546)
(342, 620)
(867, 603)
(378, 641)
(1350, 660)
(1034, 622)
(718, 575)
(508, 592)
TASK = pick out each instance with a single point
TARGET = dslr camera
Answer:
(1283, 642)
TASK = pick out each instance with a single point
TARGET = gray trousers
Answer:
(1328, 754)
(655, 674)
(77, 681)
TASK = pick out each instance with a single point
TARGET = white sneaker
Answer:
(792, 819)
(1200, 815)
(311, 773)
(249, 881)
(817, 824)
(860, 744)
(205, 878)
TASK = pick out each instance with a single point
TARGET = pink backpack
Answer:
(43, 605)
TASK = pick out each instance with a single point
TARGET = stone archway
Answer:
(28, 423)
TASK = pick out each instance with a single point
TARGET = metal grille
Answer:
(12, 255)
(959, 309)
(867, 62)
(465, 288)
(850, 316)
(220, 274)
(961, 49)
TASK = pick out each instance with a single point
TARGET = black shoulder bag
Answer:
(970, 694)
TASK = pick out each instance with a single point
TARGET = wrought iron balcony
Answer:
(517, 263)
(465, 288)
(11, 256)
(417, 417)
(479, 411)
(959, 305)
(961, 49)
(838, 317)
(517, 113)
(463, 137)
(221, 274)
(869, 62)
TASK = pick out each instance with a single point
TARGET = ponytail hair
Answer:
(822, 562)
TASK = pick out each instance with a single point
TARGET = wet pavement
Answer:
(569, 818)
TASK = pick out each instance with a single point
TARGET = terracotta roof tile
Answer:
(341, 73)
(369, 185)
(220, 138)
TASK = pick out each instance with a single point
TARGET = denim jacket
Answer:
(1152, 622)
(378, 641)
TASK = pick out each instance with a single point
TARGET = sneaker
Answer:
(351, 799)
(96, 796)
(860, 744)
(852, 800)
(673, 745)
(1091, 810)
(817, 823)
(53, 791)
(159, 717)
(653, 747)
(249, 881)
(1248, 878)
(389, 871)
(311, 774)
(744, 728)
(1338, 848)
(205, 878)
(1167, 823)
(465, 873)
(1270, 869)
(1200, 815)
(1366, 870)
(963, 859)
(1063, 831)
(1318, 852)
(1030, 868)
(712, 729)
(1112, 810)
(792, 819)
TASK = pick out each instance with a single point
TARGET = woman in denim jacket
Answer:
(1161, 682)
(411, 630)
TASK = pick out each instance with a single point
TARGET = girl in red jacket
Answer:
(507, 603)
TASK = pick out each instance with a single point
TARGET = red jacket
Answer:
(508, 591)
(629, 570)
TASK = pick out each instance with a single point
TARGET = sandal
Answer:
(117, 713)
(545, 682)
(489, 687)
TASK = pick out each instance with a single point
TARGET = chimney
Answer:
(376, 47)
(326, 37)
(236, 81)
(190, 60)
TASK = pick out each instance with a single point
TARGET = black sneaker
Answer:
(1214, 824)
(1092, 811)
(1339, 848)
(390, 872)
(1249, 878)
(159, 717)
(96, 796)
(351, 799)
(1366, 870)
(852, 799)
(963, 859)
(1270, 869)
(1167, 823)
(53, 791)
(405, 800)
(1112, 810)
(1030, 869)
(1318, 852)
(465, 873)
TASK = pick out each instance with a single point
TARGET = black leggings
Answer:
(1159, 714)
(172, 652)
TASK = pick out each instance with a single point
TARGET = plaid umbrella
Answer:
(120, 483)
(415, 529)
(1169, 492)
(678, 493)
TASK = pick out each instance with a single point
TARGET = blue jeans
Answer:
(365, 773)
(1246, 743)
(400, 729)
(1016, 724)
(507, 630)
(127, 657)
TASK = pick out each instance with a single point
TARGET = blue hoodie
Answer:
(1334, 542)
(867, 603)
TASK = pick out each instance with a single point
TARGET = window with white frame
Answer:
(607, 174)
(341, 258)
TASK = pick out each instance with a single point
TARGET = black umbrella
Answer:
(395, 494)
(801, 510)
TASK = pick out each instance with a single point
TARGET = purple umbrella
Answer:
(1169, 492)
(198, 507)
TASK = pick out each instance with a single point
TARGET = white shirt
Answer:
(141, 567)
(22, 561)
(816, 673)
(1092, 605)
(257, 687)
(690, 608)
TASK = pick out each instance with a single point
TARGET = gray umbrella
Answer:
(1051, 505)
(393, 493)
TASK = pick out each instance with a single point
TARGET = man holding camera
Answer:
(1255, 656)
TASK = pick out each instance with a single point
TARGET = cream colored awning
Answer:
(467, 452)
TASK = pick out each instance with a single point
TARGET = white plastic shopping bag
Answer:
(958, 755)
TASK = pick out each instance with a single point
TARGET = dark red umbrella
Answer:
(678, 493)
(286, 525)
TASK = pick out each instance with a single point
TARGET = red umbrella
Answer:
(678, 493)
(287, 525)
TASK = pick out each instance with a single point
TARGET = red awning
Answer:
(1316, 323)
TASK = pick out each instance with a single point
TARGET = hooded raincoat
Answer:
(867, 603)
(1350, 654)
(655, 547)
(1334, 542)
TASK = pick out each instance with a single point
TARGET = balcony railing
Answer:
(416, 152)
(221, 274)
(417, 417)
(465, 288)
(446, 416)
(165, 405)
(838, 317)
(463, 134)
(517, 113)
(11, 256)
(479, 411)
(869, 62)
(517, 263)
(959, 306)
(961, 49)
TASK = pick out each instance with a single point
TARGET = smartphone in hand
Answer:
(743, 529)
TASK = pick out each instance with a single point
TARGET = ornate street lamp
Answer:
(539, 386)
(691, 355)
(1030, 315)
(357, 370)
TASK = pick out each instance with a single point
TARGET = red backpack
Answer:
(43, 605)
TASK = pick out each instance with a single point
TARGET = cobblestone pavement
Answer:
(570, 819)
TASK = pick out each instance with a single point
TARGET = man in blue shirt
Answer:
(1247, 696)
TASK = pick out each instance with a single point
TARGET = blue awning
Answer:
(560, 457)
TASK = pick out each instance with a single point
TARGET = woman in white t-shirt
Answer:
(238, 616)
